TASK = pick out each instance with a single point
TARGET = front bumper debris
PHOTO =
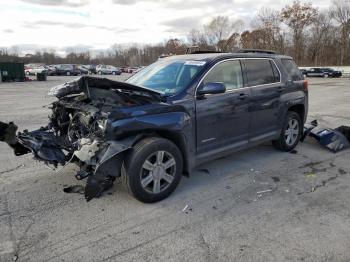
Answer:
(100, 162)
(334, 140)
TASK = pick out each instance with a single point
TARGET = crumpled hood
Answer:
(83, 83)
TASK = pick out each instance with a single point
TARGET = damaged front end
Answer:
(79, 130)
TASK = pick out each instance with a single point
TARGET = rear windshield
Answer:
(291, 69)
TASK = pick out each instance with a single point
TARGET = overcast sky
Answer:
(98, 24)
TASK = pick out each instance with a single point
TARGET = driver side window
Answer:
(229, 73)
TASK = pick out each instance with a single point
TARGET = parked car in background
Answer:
(322, 72)
(131, 70)
(139, 69)
(33, 69)
(91, 68)
(51, 70)
(107, 70)
(303, 72)
(67, 69)
(83, 70)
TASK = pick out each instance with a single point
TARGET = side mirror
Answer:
(212, 88)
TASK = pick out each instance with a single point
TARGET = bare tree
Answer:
(268, 24)
(341, 13)
(221, 29)
(320, 39)
(298, 16)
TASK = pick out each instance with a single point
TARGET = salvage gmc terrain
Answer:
(168, 118)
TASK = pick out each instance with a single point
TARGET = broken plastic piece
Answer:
(74, 189)
(81, 175)
(264, 191)
(333, 139)
(308, 128)
(94, 187)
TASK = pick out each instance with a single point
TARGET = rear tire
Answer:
(153, 169)
(290, 134)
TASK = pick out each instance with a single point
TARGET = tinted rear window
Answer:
(291, 69)
(261, 72)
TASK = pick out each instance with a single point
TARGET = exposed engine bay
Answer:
(79, 129)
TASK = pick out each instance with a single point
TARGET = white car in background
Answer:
(34, 69)
(107, 70)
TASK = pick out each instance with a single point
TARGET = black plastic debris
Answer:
(74, 189)
(276, 179)
(333, 139)
(95, 187)
(307, 129)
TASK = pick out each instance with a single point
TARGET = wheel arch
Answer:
(177, 138)
(300, 110)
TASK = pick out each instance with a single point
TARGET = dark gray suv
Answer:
(168, 118)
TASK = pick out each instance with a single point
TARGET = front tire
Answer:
(153, 169)
(291, 132)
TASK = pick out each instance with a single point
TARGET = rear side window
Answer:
(229, 73)
(261, 72)
(291, 69)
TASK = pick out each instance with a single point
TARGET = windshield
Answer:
(167, 76)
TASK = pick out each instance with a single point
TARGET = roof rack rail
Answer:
(196, 50)
(259, 51)
(204, 52)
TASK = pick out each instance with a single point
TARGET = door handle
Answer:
(242, 96)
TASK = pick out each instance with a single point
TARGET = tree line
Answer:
(312, 36)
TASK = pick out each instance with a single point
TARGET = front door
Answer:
(222, 120)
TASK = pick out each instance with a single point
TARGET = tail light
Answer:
(305, 85)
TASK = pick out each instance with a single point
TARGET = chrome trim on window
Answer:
(244, 58)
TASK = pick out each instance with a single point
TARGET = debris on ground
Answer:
(333, 139)
(310, 175)
(74, 189)
(264, 191)
(293, 151)
(264, 183)
(342, 171)
(275, 179)
(187, 209)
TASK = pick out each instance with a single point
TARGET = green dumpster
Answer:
(12, 71)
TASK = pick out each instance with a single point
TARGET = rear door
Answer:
(264, 80)
(223, 120)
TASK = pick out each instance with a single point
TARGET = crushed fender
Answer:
(334, 140)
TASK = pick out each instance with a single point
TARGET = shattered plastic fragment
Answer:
(185, 208)
(264, 191)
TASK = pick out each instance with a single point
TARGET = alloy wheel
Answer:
(292, 132)
(158, 172)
